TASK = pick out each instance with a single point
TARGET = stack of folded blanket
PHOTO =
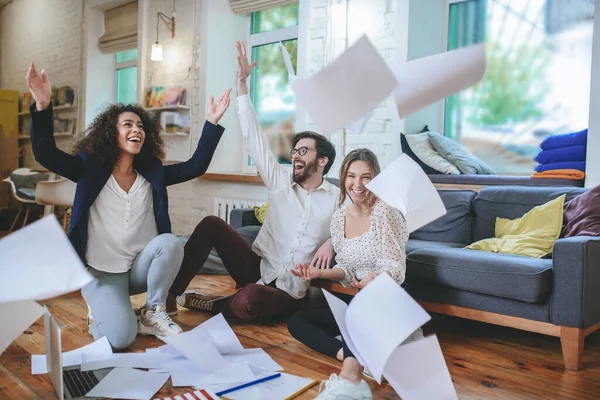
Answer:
(562, 156)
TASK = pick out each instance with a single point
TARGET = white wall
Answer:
(49, 33)
(592, 170)
(98, 67)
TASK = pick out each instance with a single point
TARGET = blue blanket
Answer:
(579, 165)
(571, 153)
(569, 139)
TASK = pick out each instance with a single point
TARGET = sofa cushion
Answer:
(514, 277)
(532, 235)
(415, 244)
(511, 202)
(455, 226)
(582, 214)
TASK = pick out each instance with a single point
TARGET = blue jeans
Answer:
(153, 271)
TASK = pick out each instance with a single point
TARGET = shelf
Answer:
(57, 108)
(232, 178)
(167, 108)
(59, 134)
(176, 134)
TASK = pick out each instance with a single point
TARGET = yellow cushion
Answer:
(531, 235)
(261, 212)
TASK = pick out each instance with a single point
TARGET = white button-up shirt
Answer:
(298, 221)
(120, 225)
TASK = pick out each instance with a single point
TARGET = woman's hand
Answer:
(216, 110)
(306, 272)
(40, 87)
(244, 69)
(364, 281)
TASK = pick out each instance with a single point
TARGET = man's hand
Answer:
(216, 110)
(324, 255)
(244, 69)
(39, 86)
(364, 281)
(306, 272)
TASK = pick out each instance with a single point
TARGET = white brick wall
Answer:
(50, 33)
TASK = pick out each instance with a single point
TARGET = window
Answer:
(537, 81)
(126, 78)
(270, 88)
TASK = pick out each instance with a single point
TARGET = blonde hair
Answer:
(365, 155)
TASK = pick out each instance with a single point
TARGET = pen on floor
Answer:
(304, 389)
(248, 384)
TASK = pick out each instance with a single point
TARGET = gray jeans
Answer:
(153, 271)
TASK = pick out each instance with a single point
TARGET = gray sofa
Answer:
(555, 296)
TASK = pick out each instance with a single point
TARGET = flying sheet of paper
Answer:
(92, 362)
(16, 317)
(275, 389)
(128, 383)
(197, 346)
(100, 347)
(255, 357)
(38, 262)
(405, 186)
(339, 310)
(347, 89)
(418, 371)
(429, 79)
(222, 334)
(186, 373)
(378, 327)
(288, 63)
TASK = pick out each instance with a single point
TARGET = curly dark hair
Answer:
(101, 136)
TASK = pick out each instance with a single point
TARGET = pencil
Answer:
(245, 385)
(304, 389)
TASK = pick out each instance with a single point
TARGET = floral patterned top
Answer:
(381, 248)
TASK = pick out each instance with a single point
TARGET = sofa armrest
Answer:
(576, 287)
(240, 217)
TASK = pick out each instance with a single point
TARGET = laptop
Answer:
(71, 382)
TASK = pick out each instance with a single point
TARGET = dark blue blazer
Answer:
(91, 175)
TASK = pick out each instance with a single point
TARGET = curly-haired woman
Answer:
(120, 224)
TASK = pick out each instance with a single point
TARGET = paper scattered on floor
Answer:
(100, 347)
(197, 346)
(404, 185)
(255, 357)
(347, 89)
(38, 262)
(222, 335)
(427, 80)
(92, 362)
(274, 389)
(186, 373)
(129, 383)
(16, 317)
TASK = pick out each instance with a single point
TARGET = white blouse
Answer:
(381, 248)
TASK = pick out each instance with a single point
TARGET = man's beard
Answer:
(309, 169)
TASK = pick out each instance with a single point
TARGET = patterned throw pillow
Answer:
(458, 155)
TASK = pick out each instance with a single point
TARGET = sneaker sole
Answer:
(147, 331)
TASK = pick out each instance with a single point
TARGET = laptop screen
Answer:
(54, 353)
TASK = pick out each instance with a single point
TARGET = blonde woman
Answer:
(369, 238)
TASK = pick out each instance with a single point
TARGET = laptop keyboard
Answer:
(78, 382)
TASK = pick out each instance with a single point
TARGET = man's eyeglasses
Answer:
(301, 151)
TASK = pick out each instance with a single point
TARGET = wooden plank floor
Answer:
(485, 361)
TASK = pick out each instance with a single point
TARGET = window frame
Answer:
(263, 38)
(123, 65)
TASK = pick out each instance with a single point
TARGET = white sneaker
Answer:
(337, 388)
(157, 322)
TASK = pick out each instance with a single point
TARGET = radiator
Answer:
(224, 205)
